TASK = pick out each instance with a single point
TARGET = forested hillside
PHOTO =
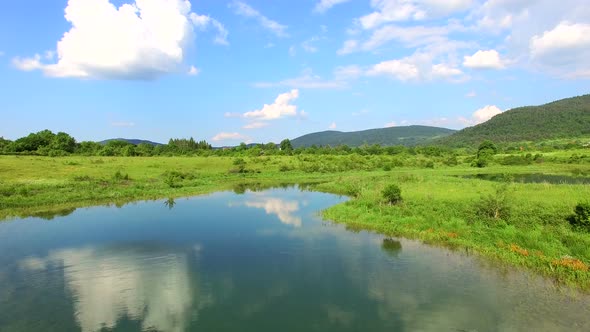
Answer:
(408, 136)
(566, 118)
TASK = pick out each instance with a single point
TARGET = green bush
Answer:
(392, 194)
(480, 162)
(581, 218)
(494, 206)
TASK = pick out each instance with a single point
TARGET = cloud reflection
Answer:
(283, 209)
(107, 286)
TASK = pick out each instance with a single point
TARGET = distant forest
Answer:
(566, 118)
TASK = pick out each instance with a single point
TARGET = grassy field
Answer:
(439, 206)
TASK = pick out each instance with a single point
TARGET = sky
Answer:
(264, 70)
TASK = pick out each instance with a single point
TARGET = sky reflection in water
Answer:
(260, 261)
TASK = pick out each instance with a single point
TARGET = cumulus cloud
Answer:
(332, 125)
(417, 67)
(243, 9)
(223, 136)
(324, 5)
(280, 108)
(565, 48)
(141, 40)
(391, 124)
(481, 115)
(483, 60)
(543, 35)
(416, 10)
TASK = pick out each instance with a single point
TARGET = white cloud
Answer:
(544, 35)
(122, 124)
(141, 40)
(409, 36)
(323, 5)
(404, 10)
(194, 71)
(418, 67)
(203, 22)
(391, 124)
(292, 51)
(280, 108)
(243, 9)
(566, 48)
(332, 125)
(255, 125)
(481, 115)
(28, 64)
(223, 136)
(402, 70)
(471, 94)
(484, 60)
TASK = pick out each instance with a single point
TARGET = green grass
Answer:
(438, 207)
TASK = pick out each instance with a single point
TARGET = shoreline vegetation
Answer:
(520, 224)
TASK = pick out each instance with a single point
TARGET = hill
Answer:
(566, 118)
(408, 135)
(130, 140)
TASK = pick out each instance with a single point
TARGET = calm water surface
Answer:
(260, 261)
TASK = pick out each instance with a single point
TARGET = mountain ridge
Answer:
(403, 135)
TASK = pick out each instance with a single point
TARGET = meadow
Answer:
(512, 223)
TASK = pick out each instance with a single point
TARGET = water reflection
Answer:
(283, 209)
(210, 268)
(391, 246)
(109, 285)
(170, 202)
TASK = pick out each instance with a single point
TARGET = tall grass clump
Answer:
(392, 194)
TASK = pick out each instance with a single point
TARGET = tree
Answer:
(63, 142)
(485, 152)
(486, 149)
(286, 145)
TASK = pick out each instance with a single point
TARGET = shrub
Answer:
(392, 194)
(494, 206)
(479, 162)
(581, 218)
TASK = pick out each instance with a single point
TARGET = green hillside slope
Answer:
(566, 118)
(408, 135)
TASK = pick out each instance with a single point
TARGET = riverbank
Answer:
(439, 205)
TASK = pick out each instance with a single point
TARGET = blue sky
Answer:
(262, 70)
